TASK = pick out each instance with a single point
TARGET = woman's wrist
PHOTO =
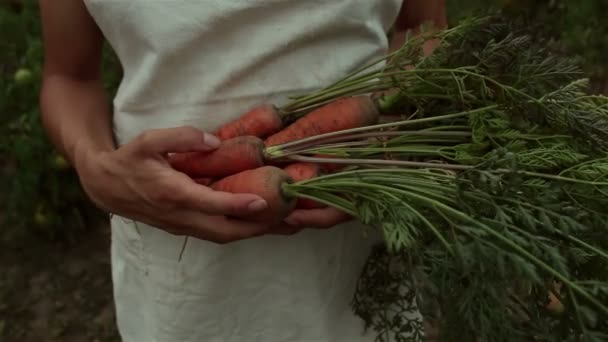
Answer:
(84, 154)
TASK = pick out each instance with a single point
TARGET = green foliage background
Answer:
(575, 27)
(40, 194)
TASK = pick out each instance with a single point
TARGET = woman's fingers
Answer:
(188, 194)
(178, 139)
(310, 218)
(317, 218)
(285, 229)
(218, 229)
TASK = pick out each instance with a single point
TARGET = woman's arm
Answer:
(418, 12)
(133, 180)
(74, 106)
(415, 13)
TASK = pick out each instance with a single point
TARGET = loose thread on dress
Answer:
(181, 253)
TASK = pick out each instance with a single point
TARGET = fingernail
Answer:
(257, 205)
(211, 140)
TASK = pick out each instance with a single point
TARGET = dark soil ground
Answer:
(50, 292)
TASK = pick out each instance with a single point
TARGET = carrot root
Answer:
(329, 167)
(341, 114)
(260, 122)
(303, 171)
(232, 156)
(266, 182)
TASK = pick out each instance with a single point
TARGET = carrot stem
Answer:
(355, 73)
(420, 149)
(438, 205)
(392, 64)
(273, 149)
(382, 106)
(347, 140)
(429, 173)
(321, 99)
(378, 162)
(377, 82)
(290, 191)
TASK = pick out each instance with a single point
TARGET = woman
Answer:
(183, 270)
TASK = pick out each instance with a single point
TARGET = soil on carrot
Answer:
(52, 292)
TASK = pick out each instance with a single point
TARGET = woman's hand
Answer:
(136, 181)
(317, 218)
(322, 218)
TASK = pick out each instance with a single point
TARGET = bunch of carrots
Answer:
(488, 177)
(242, 163)
(243, 160)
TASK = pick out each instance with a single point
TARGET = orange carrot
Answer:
(329, 167)
(555, 306)
(232, 156)
(304, 171)
(266, 182)
(344, 113)
(260, 122)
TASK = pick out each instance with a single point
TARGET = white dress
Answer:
(203, 63)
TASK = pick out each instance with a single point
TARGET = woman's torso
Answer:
(203, 63)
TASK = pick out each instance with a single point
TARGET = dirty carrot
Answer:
(266, 119)
(266, 182)
(247, 152)
(328, 167)
(232, 156)
(304, 171)
(341, 114)
(260, 121)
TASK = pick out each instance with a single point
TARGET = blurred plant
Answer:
(577, 28)
(40, 194)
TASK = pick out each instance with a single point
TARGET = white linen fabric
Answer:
(203, 63)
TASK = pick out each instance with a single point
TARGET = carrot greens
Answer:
(490, 189)
(487, 180)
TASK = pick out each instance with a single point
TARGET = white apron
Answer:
(203, 63)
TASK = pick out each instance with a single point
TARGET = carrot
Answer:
(241, 153)
(329, 167)
(232, 156)
(261, 121)
(266, 182)
(304, 171)
(344, 113)
(265, 120)
(555, 306)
